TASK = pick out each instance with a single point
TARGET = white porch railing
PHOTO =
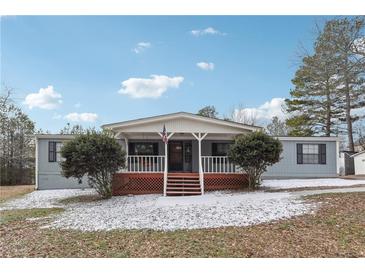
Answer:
(218, 164)
(145, 163)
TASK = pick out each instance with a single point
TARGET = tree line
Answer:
(328, 97)
(17, 148)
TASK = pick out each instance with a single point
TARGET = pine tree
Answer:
(346, 38)
(330, 85)
(313, 103)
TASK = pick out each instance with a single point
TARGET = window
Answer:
(220, 149)
(146, 148)
(54, 151)
(311, 154)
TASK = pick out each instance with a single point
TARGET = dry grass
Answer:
(10, 192)
(309, 188)
(337, 229)
(81, 199)
(10, 216)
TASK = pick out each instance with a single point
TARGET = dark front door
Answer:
(180, 156)
(176, 156)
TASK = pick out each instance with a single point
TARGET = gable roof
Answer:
(187, 115)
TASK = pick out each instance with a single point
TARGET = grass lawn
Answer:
(9, 192)
(337, 229)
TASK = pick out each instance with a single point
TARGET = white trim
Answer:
(199, 137)
(166, 162)
(36, 164)
(180, 115)
(338, 157)
(311, 138)
(55, 136)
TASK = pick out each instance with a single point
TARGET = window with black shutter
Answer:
(52, 153)
(311, 154)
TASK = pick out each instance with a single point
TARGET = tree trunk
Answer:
(348, 115)
(328, 113)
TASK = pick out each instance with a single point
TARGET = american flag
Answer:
(164, 135)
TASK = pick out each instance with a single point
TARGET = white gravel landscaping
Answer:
(299, 183)
(45, 198)
(214, 209)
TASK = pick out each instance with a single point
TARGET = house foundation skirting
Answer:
(222, 181)
(149, 183)
(137, 183)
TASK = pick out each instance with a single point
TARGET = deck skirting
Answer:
(149, 183)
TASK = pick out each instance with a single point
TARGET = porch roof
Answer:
(180, 122)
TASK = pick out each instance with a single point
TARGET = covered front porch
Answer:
(190, 159)
(188, 164)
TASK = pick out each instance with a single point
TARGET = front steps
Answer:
(183, 184)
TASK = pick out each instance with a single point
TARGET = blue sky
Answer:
(65, 68)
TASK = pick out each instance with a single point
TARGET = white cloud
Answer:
(205, 66)
(81, 117)
(45, 98)
(152, 87)
(141, 46)
(207, 31)
(264, 112)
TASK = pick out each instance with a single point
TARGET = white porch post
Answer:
(166, 163)
(165, 172)
(199, 137)
(126, 153)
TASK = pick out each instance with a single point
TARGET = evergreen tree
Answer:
(346, 38)
(208, 111)
(329, 85)
(314, 104)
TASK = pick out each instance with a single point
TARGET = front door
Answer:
(176, 156)
(180, 156)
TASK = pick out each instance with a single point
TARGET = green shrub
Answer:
(96, 155)
(253, 153)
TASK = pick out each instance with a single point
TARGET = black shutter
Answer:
(299, 154)
(214, 149)
(322, 154)
(155, 148)
(51, 151)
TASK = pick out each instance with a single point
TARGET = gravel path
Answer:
(214, 209)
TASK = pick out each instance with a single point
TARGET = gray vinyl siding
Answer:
(288, 167)
(49, 173)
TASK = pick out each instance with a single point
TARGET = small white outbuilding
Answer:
(359, 163)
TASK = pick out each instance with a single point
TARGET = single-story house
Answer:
(359, 162)
(193, 160)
